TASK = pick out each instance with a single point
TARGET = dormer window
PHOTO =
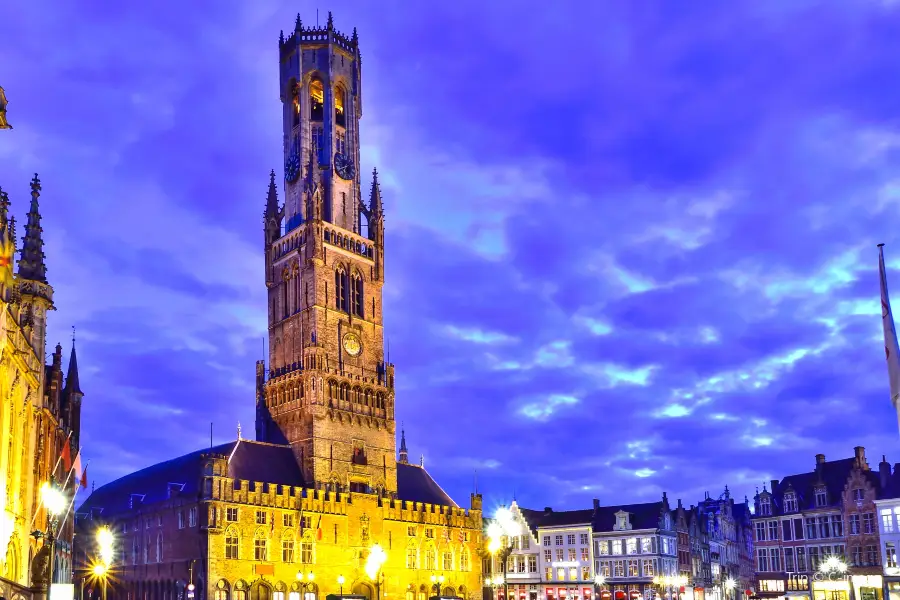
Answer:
(821, 497)
(623, 521)
(790, 502)
(765, 506)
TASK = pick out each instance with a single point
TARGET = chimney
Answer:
(774, 484)
(820, 459)
(597, 502)
(860, 454)
(884, 472)
(547, 510)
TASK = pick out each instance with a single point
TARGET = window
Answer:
(526, 542)
(287, 519)
(221, 595)
(631, 546)
(821, 497)
(890, 555)
(548, 556)
(798, 529)
(430, 559)
(559, 554)
(532, 563)
(412, 556)
(775, 558)
(872, 554)
(231, 514)
(813, 558)
(869, 523)
(571, 554)
(559, 539)
(856, 556)
(561, 574)
(570, 539)
(318, 143)
(341, 292)
(411, 531)
(260, 517)
(548, 574)
(180, 519)
(887, 521)
(583, 539)
(811, 528)
(632, 568)
(159, 548)
(762, 560)
(649, 570)
(790, 502)
(447, 562)
(837, 526)
(287, 549)
(316, 100)
(773, 530)
(339, 98)
(260, 548)
(429, 532)
(854, 524)
(787, 531)
(604, 569)
(546, 540)
(646, 545)
(617, 546)
(340, 144)
(231, 544)
(858, 494)
(824, 529)
(585, 573)
(789, 559)
(602, 547)
(306, 553)
(765, 506)
(356, 295)
(619, 568)
(801, 560)
(585, 554)
(192, 517)
(760, 531)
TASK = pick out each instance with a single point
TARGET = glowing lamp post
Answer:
(55, 502)
(341, 581)
(599, 582)
(729, 584)
(105, 544)
(376, 559)
(437, 582)
(500, 533)
(307, 581)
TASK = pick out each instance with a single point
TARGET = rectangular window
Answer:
(646, 545)
(585, 573)
(813, 558)
(869, 523)
(789, 560)
(532, 563)
(619, 566)
(306, 553)
(411, 557)
(231, 546)
(872, 555)
(260, 549)
(561, 574)
(631, 546)
(583, 539)
(773, 530)
(231, 514)
(762, 560)
(854, 524)
(617, 546)
(559, 540)
(287, 520)
(765, 508)
(649, 570)
(546, 540)
(260, 517)
(858, 494)
(798, 529)
(559, 555)
(571, 554)
(632, 568)
(837, 526)
(811, 528)
(821, 498)
(801, 560)
(760, 531)
(192, 517)
(287, 550)
(526, 542)
(429, 532)
(775, 558)
(887, 521)
(180, 519)
(411, 531)
(824, 529)
(890, 555)
(603, 547)
(548, 556)
(548, 574)
(585, 555)
(570, 539)
(790, 503)
(856, 556)
(787, 531)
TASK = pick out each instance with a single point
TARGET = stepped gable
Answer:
(250, 461)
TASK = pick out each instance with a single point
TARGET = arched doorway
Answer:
(261, 591)
(361, 588)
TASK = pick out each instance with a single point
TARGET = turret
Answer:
(73, 395)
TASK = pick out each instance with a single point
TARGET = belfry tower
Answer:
(329, 391)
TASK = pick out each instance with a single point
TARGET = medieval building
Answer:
(320, 502)
(40, 413)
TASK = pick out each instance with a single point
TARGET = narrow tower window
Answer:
(339, 118)
(341, 291)
(356, 295)
(295, 107)
(316, 100)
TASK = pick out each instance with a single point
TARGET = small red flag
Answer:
(84, 479)
(67, 455)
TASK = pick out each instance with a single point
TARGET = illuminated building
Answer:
(730, 538)
(808, 524)
(41, 411)
(322, 490)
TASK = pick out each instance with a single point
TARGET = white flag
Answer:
(891, 348)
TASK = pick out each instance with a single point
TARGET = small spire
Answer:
(422, 461)
(4, 208)
(375, 205)
(355, 38)
(239, 431)
(330, 22)
(404, 454)
(298, 25)
(272, 197)
(72, 383)
(31, 259)
(281, 38)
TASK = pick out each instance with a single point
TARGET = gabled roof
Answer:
(832, 474)
(643, 516)
(249, 460)
(539, 519)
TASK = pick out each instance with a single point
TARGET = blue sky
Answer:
(630, 245)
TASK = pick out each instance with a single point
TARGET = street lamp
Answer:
(377, 557)
(55, 502)
(105, 543)
(437, 583)
(833, 564)
(341, 584)
(729, 584)
(309, 585)
(500, 532)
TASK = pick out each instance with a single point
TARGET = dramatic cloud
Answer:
(630, 245)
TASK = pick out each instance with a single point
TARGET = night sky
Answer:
(630, 245)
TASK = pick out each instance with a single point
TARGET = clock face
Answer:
(343, 166)
(292, 167)
(352, 345)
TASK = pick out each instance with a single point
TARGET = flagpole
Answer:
(72, 503)
(52, 472)
(891, 345)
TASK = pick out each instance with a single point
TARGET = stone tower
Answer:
(329, 392)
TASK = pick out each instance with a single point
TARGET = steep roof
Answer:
(832, 474)
(556, 518)
(249, 460)
(643, 516)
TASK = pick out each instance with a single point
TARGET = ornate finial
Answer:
(330, 21)
(298, 26)
(281, 38)
(239, 431)
(73, 336)
(422, 460)
(4, 206)
(355, 38)
(35, 186)
(4, 124)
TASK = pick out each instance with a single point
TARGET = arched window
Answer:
(232, 543)
(412, 556)
(316, 100)
(430, 559)
(240, 591)
(260, 546)
(447, 561)
(159, 548)
(356, 295)
(340, 290)
(339, 98)
(221, 590)
(295, 104)
(307, 552)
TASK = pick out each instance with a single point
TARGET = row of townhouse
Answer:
(625, 552)
(816, 534)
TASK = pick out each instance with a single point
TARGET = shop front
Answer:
(573, 591)
(892, 583)
(771, 586)
(797, 586)
(833, 588)
(867, 587)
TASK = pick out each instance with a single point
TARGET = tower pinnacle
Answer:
(31, 259)
(404, 455)
(375, 206)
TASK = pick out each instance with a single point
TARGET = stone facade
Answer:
(40, 411)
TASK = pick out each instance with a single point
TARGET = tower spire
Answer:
(375, 206)
(272, 197)
(404, 455)
(31, 259)
(72, 384)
